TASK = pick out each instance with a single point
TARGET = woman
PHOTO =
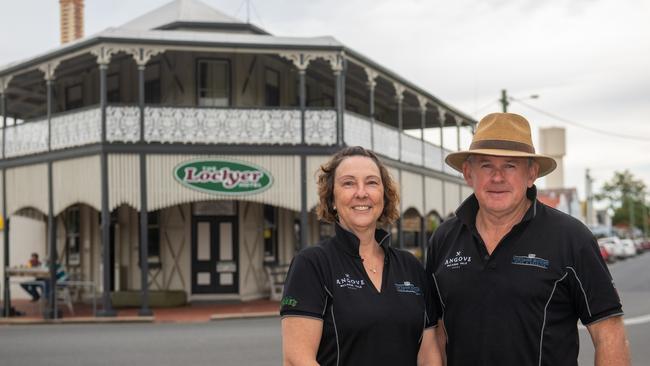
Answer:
(353, 299)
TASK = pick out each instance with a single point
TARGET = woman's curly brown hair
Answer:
(327, 172)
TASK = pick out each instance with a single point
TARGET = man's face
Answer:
(499, 183)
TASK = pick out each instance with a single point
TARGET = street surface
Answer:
(252, 342)
(632, 280)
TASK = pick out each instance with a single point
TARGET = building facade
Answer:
(200, 136)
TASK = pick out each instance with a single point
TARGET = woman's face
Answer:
(358, 193)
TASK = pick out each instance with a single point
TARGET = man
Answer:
(512, 275)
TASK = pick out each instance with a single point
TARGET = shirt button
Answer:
(492, 265)
(487, 257)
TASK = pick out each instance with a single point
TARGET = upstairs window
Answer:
(152, 93)
(74, 97)
(113, 88)
(213, 83)
(272, 88)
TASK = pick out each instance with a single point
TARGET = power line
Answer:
(580, 125)
(477, 111)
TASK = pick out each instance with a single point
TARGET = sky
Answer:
(587, 60)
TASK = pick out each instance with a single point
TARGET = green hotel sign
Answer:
(223, 176)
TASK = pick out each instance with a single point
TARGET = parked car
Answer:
(607, 257)
(614, 246)
(628, 247)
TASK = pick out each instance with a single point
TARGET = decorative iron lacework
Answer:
(357, 131)
(231, 126)
(123, 124)
(26, 138)
(320, 127)
(386, 140)
(76, 129)
(411, 149)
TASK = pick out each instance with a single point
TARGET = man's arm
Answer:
(429, 355)
(610, 342)
(441, 339)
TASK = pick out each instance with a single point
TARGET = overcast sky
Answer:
(588, 60)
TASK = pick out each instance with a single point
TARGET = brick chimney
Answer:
(72, 20)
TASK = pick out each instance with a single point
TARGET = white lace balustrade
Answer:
(357, 131)
(386, 140)
(411, 149)
(76, 128)
(225, 126)
(320, 127)
(123, 123)
(26, 138)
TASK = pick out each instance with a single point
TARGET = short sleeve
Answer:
(304, 289)
(431, 306)
(434, 301)
(594, 295)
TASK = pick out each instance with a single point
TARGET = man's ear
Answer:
(467, 172)
(533, 173)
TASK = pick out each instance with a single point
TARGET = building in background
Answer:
(552, 142)
(200, 135)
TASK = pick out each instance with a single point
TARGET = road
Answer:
(246, 342)
(632, 280)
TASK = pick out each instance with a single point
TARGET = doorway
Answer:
(215, 252)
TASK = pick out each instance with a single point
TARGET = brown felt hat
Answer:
(502, 134)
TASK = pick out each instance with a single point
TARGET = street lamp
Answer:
(505, 99)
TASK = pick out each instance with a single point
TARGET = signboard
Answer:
(223, 176)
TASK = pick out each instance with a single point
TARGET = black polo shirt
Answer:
(520, 305)
(361, 326)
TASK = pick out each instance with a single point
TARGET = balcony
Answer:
(201, 125)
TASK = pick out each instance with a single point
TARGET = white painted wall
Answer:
(26, 236)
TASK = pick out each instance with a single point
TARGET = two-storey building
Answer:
(200, 135)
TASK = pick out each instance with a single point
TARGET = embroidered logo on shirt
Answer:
(289, 301)
(530, 260)
(458, 261)
(408, 288)
(351, 283)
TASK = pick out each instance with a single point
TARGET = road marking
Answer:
(637, 320)
(629, 321)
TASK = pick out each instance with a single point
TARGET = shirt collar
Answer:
(349, 243)
(467, 210)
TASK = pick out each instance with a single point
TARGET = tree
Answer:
(625, 195)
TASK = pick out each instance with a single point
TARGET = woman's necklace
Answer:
(372, 269)
(367, 265)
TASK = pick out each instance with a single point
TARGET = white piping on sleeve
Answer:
(336, 332)
(581, 288)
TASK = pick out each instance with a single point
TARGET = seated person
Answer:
(33, 261)
(32, 287)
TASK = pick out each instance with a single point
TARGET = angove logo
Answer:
(223, 176)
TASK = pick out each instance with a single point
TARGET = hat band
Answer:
(502, 145)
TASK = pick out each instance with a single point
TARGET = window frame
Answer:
(197, 79)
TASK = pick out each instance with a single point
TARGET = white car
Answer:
(614, 246)
(629, 247)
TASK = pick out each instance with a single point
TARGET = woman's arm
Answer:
(429, 354)
(300, 340)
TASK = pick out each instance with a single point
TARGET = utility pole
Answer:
(589, 215)
(645, 216)
(631, 213)
(504, 101)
